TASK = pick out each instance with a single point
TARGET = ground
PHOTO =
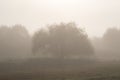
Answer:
(59, 70)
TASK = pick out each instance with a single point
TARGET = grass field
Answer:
(57, 70)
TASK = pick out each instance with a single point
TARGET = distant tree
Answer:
(111, 41)
(40, 41)
(21, 40)
(63, 40)
(4, 45)
(15, 42)
(108, 47)
(111, 38)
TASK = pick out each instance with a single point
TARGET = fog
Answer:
(56, 41)
(107, 46)
(64, 40)
(59, 40)
(93, 15)
(56, 52)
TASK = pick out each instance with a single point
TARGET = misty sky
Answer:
(93, 15)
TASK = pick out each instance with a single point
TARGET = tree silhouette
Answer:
(108, 47)
(62, 41)
(15, 42)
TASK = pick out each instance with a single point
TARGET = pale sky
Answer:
(93, 15)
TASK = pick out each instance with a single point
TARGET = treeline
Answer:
(15, 42)
(108, 46)
(57, 41)
(62, 41)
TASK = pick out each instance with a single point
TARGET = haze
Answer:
(93, 15)
(59, 39)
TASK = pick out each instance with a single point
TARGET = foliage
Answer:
(63, 40)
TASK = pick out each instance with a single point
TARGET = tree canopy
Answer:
(15, 42)
(62, 40)
(108, 47)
